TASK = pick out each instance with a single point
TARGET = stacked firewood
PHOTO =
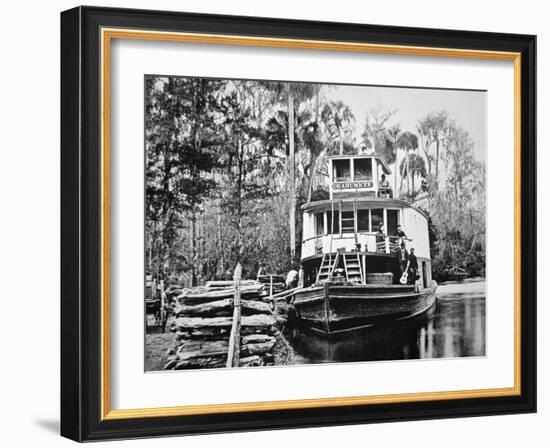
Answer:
(380, 278)
(202, 326)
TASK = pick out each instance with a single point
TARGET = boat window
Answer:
(335, 228)
(348, 222)
(319, 224)
(377, 219)
(393, 220)
(341, 170)
(363, 221)
(362, 169)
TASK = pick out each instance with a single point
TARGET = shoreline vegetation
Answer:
(229, 163)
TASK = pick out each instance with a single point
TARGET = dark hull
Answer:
(332, 308)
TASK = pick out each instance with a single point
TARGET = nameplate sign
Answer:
(352, 185)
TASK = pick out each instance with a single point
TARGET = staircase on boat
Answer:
(353, 270)
(327, 267)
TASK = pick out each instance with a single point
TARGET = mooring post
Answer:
(233, 354)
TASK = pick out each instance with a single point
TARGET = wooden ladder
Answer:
(353, 268)
(327, 267)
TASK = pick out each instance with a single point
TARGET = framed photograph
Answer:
(276, 224)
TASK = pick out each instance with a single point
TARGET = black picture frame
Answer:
(81, 224)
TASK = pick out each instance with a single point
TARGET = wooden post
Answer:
(301, 277)
(387, 238)
(271, 286)
(235, 336)
(364, 260)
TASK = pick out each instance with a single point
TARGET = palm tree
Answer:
(407, 142)
(291, 95)
(394, 134)
(433, 129)
(337, 116)
(411, 166)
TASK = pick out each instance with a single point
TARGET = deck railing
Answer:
(367, 242)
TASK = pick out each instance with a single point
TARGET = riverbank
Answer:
(158, 344)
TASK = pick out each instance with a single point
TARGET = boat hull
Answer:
(333, 308)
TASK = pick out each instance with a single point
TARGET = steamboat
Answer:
(365, 255)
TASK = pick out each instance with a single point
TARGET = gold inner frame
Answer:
(107, 35)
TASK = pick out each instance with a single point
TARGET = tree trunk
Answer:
(220, 268)
(292, 214)
(193, 248)
(240, 179)
(437, 161)
(408, 174)
(395, 176)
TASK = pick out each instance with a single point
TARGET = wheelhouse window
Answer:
(341, 170)
(319, 224)
(363, 224)
(362, 169)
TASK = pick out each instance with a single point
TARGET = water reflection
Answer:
(454, 327)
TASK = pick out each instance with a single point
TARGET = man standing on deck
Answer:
(380, 239)
(413, 267)
(403, 257)
(292, 279)
(401, 234)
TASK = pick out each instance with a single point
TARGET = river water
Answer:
(454, 327)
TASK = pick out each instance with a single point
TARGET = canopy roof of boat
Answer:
(327, 204)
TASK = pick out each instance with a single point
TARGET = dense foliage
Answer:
(229, 164)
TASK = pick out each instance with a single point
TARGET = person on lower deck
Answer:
(401, 235)
(292, 278)
(403, 258)
(380, 239)
(413, 267)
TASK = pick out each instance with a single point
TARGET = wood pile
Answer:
(379, 278)
(203, 322)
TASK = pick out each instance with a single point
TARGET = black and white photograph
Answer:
(297, 223)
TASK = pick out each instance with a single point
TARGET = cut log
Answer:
(202, 295)
(254, 338)
(200, 349)
(251, 361)
(192, 323)
(201, 363)
(214, 349)
(228, 284)
(221, 308)
(203, 334)
(256, 349)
